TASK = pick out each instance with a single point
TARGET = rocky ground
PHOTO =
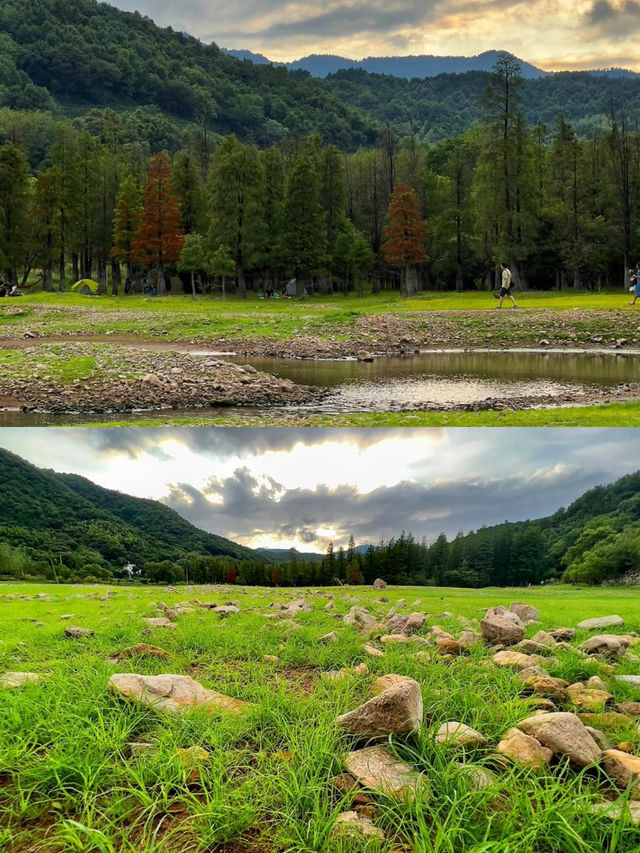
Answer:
(314, 335)
(81, 377)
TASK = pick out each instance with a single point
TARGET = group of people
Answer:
(8, 289)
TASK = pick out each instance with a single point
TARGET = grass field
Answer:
(68, 781)
(607, 414)
(179, 317)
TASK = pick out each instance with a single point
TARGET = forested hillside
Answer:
(595, 539)
(77, 54)
(66, 526)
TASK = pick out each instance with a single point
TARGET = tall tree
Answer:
(405, 236)
(235, 195)
(14, 201)
(303, 244)
(187, 185)
(127, 221)
(159, 238)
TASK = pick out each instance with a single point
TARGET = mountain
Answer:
(72, 519)
(282, 555)
(72, 55)
(321, 65)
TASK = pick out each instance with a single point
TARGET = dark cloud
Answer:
(245, 507)
(613, 19)
(223, 442)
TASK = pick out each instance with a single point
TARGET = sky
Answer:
(303, 488)
(553, 34)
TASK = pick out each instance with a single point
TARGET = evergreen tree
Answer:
(127, 221)
(14, 207)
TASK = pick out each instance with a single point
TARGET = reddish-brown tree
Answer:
(160, 238)
(275, 576)
(405, 237)
(232, 573)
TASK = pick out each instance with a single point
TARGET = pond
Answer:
(430, 380)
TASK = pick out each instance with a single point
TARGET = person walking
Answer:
(505, 290)
(635, 289)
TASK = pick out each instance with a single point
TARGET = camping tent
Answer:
(86, 286)
(290, 288)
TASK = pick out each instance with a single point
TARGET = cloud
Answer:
(225, 442)
(607, 19)
(252, 510)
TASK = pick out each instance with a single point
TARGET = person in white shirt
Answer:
(505, 290)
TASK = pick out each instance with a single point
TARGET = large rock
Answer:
(565, 735)
(623, 769)
(377, 769)
(609, 645)
(397, 624)
(384, 682)
(158, 622)
(498, 629)
(173, 694)
(11, 680)
(601, 622)
(524, 749)
(526, 612)
(397, 710)
(379, 584)
(459, 734)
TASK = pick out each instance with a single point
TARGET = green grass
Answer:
(608, 414)
(67, 782)
(179, 317)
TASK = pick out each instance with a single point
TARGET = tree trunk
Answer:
(116, 277)
(47, 282)
(102, 277)
(62, 276)
(75, 267)
(162, 282)
(193, 285)
(242, 285)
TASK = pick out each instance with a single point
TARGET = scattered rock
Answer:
(608, 645)
(379, 584)
(596, 683)
(12, 680)
(415, 622)
(632, 708)
(623, 770)
(459, 734)
(372, 651)
(524, 749)
(552, 688)
(356, 827)
(158, 622)
(600, 738)
(331, 637)
(617, 808)
(586, 698)
(634, 680)
(563, 635)
(173, 693)
(78, 633)
(565, 735)
(526, 612)
(600, 622)
(270, 659)
(142, 650)
(478, 778)
(517, 660)
(397, 710)
(377, 769)
(497, 629)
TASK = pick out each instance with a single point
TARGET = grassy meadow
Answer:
(69, 782)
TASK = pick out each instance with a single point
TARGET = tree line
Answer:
(559, 210)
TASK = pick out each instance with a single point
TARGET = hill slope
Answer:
(80, 54)
(68, 517)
